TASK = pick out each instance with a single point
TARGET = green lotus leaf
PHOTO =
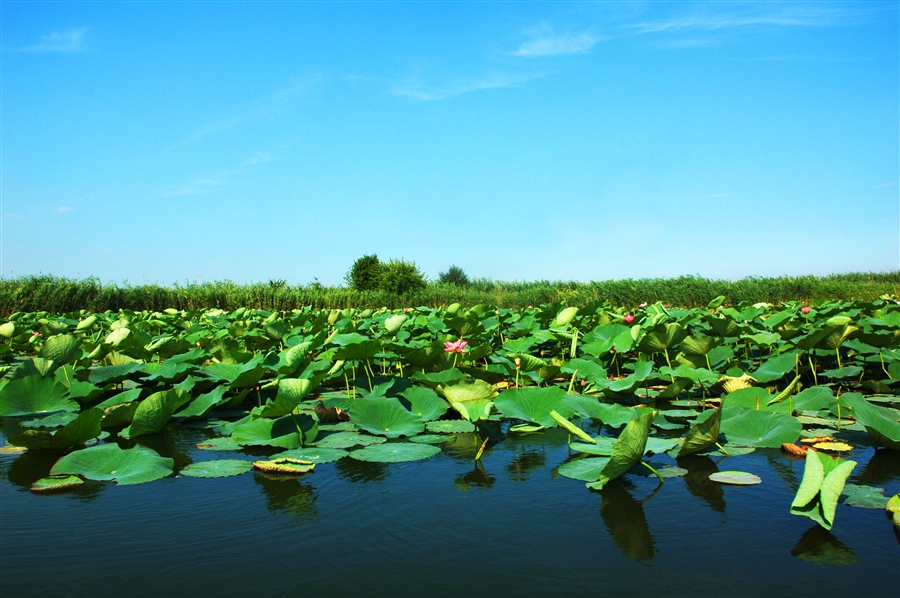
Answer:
(893, 508)
(364, 350)
(395, 452)
(385, 416)
(627, 451)
(451, 426)
(534, 404)
(463, 392)
(118, 415)
(34, 395)
(238, 375)
(699, 344)
(758, 428)
(108, 462)
(564, 317)
(602, 446)
(78, 431)
(126, 396)
(866, 497)
(284, 432)
(703, 434)
(57, 420)
(226, 443)
(474, 411)
(755, 398)
(114, 374)
(290, 392)
(821, 486)
(437, 379)
(735, 478)
(57, 483)
(528, 363)
(672, 472)
(613, 415)
(35, 366)
(882, 423)
(776, 367)
(814, 398)
(314, 454)
(585, 369)
(154, 412)
(393, 324)
(62, 348)
(201, 405)
(343, 440)
(586, 470)
(628, 384)
(662, 338)
(218, 468)
(693, 374)
(657, 445)
(425, 403)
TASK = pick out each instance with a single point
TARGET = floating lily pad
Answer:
(735, 478)
(342, 440)
(385, 416)
(866, 497)
(225, 443)
(108, 462)
(219, 468)
(432, 438)
(837, 447)
(586, 470)
(396, 452)
(60, 482)
(450, 426)
(313, 454)
(602, 446)
(286, 465)
(670, 471)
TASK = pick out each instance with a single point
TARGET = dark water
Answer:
(442, 527)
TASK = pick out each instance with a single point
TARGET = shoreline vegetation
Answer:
(59, 295)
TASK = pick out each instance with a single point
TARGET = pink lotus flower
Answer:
(805, 309)
(629, 318)
(456, 347)
(37, 334)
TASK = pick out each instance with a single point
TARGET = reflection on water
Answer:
(167, 443)
(27, 468)
(625, 521)
(698, 483)
(360, 471)
(287, 494)
(525, 462)
(478, 477)
(819, 546)
(883, 467)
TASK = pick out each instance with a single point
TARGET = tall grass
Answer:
(60, 295)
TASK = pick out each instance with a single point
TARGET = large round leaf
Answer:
(425, 403)
(218, 468)
(154, 412)
(342, 440)
(33, 395)
(62, 348)
(314, 454)
(534, 404)
(395, 452)
(464, 392)
(758, 428)
(385, 416)
(108, 462)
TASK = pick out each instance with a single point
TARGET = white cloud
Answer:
(66, 41)
(259, 158)
(441, 92)
(197, 187)
(559, 44)
(64, 209)
(886, 185)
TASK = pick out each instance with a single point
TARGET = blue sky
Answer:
(169, 141)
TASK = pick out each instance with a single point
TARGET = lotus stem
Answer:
(481, 450)
(572, 381)
(881, 355)
(368, 377)
(722, 448)
(813, 368)
(656, 473)
(347, 382)
(668, 363)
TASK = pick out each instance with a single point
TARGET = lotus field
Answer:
(635, 390)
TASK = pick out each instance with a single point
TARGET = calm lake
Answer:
(446, 526)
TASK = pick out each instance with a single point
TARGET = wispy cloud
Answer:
(64, 209)
(259, 158)
(209, 184)
(886, 185)
(426, 93)
(551, 45)
(260, 107)
(197, 187)
(65, 41)
(714, 17)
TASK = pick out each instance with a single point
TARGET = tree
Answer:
(365, 274)
(399, 277)
(454, 275)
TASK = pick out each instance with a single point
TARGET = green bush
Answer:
(454, 275)
(365, 274)
(399, 277)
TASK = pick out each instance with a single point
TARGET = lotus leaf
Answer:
(627, 450)
(882, 423)
(452, 426)
(432, 438)
(57, 483)
(34, 395)
(758, 428)
(226, 443)
(534, 404)
(586, 470)
(602, 446)
(462, 392)
(613, 415)
(822, 484)
(290, 392)
(671, 472)
(36, 366)
(395, 452)
(313, 454)
(288, 432)
(866, 497)
(342, 440)
(78, 431)
(813, 399)
(776, 367)
(219, 468)
(425, 403)
(114, 374)
(893, 507)
(200, 406)
(735, 478)
(386, 417)
(474, 411)
(154, 412)
(244, 375)
(62, 348)
(108, 462)
(703, 434)
(284, 465)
